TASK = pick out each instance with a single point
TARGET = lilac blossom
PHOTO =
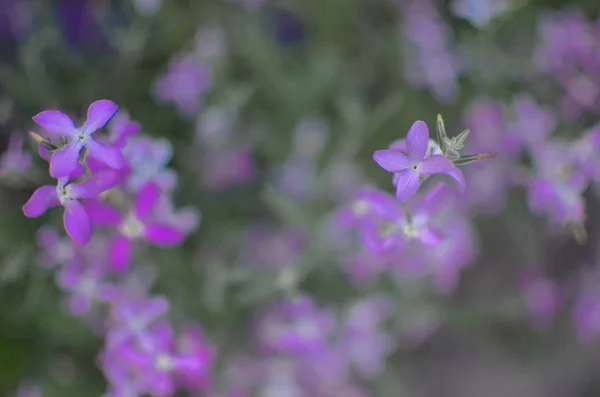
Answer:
(148, 159)
(138, 224)
(192, 342)
(432, 61)
(533, 124)
(266, 248)
(229, 168)
(85, 282)
(363, 338)
(121, 127)
(132, 319)
(295, 327)
(14, 161)
(56, 251)
(184, 84)
(542, 296)
(567, 52)
(489, 181)
(556, 185)
(409, 168)
(64, 161)
(76, 220)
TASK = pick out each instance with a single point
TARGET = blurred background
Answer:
(259, 119)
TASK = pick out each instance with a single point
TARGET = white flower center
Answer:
(360, 207)
(164, 363)
(132, 227)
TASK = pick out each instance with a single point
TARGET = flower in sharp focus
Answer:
(65, 160)
(76, 220)
(409, 168)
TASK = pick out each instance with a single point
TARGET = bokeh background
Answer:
(268, 112)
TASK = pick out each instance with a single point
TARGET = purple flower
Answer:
(295, 327)
(542, 296)
(229, 168)
(14, 160)
(138, 225)
(533, 124)
(184, 84)
(76, 220)
(557, 186)
(586, 318)
(409, 168)
(121, 127)
(133, 319)
(148, 159)
(193, 343)
(363, 340)
(84, 280)
(65, 160)
(56, 251)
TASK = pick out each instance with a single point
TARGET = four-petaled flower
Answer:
(65, 160)
(76, 220)
(409, 168)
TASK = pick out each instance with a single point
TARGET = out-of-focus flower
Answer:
(14, 161)
(432, 63)
(184, 84)
(229, 168)
(295, 327)
(542, 296)
(148, 159)
(138, 224)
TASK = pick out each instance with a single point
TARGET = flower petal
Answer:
(391, 161)
(399, 146)
(163, 236)
(64, 161)
(102, 214)
(417, 141)
(407, 184)
(458, 177)
(56, 123)
(430, 237)
(120, 253)
(146, 200)
(94, 185)
(43, 198)
(99, 113)
(77, 222)
(436, 164)
(108, 155)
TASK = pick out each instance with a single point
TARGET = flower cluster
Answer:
(433, 63)
(113, 203)
(567, 53)
(421, 233)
